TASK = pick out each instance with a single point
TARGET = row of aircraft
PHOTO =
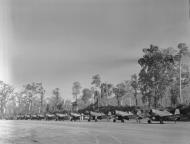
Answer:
(152, 115)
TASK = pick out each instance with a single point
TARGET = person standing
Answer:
(139, 116)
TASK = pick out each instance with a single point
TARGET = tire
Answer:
(149, 121)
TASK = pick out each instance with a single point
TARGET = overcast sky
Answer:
(57, 42)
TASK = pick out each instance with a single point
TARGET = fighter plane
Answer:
(34, 117)
(159, 115)
(20, 117)
(40, 116)
(75, 116)
(60, 116)
(27, 117)
(50, 117)
(95, 116)
(121, 115)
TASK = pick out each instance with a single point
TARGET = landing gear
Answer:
(149, 121)
(122, 120)
(161, 121)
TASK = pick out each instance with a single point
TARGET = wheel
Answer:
(96, 120)
(149, 121)
(122, 120)
(114, 120)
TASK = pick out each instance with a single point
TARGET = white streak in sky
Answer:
(4, 41)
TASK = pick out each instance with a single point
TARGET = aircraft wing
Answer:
(41, 115)
(75, 114)
(96, 114)
(61, 115)
(50, 115)
(164, 113)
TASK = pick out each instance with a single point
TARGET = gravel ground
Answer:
(52, 132)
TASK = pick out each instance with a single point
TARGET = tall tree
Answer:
(76, 91)
(57, 100)
(178, 72)
(5, 93)
(67, 105)
(86, 95)
(134, 84)
(183, 51)
(174, 90)
(19, 102)
(40, 89)
(106, 91)
(121, 90)
(31, 91)
(96, 82)
(56, 93)
(153, 77)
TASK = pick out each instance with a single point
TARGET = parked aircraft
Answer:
(75, 116)
(158, 115)
(50, 117)
(20, 117)
(96, 116)
(121, 115)
(40, 116)
(60, 116)
(34, 117)
(27, 116)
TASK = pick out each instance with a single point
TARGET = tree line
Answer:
(161, 82)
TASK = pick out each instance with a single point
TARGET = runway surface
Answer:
(53, 132)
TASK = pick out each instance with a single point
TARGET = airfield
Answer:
(66, 132)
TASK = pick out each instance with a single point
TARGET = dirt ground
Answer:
(52, 132)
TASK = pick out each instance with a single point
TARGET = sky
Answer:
(58, 42)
